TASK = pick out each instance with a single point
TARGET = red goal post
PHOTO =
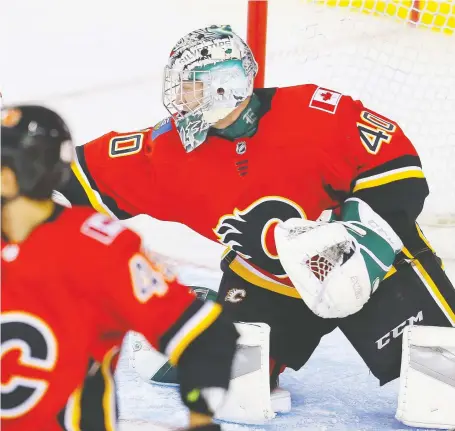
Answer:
(257, 35)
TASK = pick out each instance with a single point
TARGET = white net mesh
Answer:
(398, 61)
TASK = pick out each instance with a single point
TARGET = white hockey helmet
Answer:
(209, 73)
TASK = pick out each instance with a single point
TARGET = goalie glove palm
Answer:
(336, 266)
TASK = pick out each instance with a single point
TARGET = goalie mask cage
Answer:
(397, 57)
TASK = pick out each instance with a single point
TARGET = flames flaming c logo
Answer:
(249, 232)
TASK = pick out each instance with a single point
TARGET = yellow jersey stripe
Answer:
(109, 410)
(387, 178)
(431, 286)
(243, 271)
(423, 238)
(392, 271)
(225, 252)
(72, 418)
(191, 330)
(94, 200)
(427, 243)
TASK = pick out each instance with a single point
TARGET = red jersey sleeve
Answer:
(381, 165)
(111, 173)
(376, 143)
(135, 293)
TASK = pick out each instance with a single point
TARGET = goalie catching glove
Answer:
(336, 266)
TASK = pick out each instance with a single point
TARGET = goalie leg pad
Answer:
(249, 400)
(427, 384)
(151, 365)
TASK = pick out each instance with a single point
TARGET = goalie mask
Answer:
(209, 73)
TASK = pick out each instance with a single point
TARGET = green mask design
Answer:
(247, 123)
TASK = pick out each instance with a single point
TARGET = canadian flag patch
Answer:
(325, 100)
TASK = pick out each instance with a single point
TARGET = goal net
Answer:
(398, 57)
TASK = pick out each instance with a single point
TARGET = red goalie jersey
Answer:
(313, 148)
(69, 294)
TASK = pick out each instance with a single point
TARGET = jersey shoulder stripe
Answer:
(394, 189)
(398, 169)
(99, 201)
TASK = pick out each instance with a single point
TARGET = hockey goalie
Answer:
(253, 168)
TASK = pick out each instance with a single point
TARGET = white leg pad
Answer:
(146, 361)
(249, 399)
(427, 382)
(281, 400)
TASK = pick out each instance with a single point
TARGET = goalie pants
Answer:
(418, 292)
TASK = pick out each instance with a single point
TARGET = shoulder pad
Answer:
(162, 127)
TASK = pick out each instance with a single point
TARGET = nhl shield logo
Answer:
(241, 147)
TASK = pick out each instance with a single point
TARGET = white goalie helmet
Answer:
(209, 73)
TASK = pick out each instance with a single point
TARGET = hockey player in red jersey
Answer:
(73, 282)
(233, 163)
